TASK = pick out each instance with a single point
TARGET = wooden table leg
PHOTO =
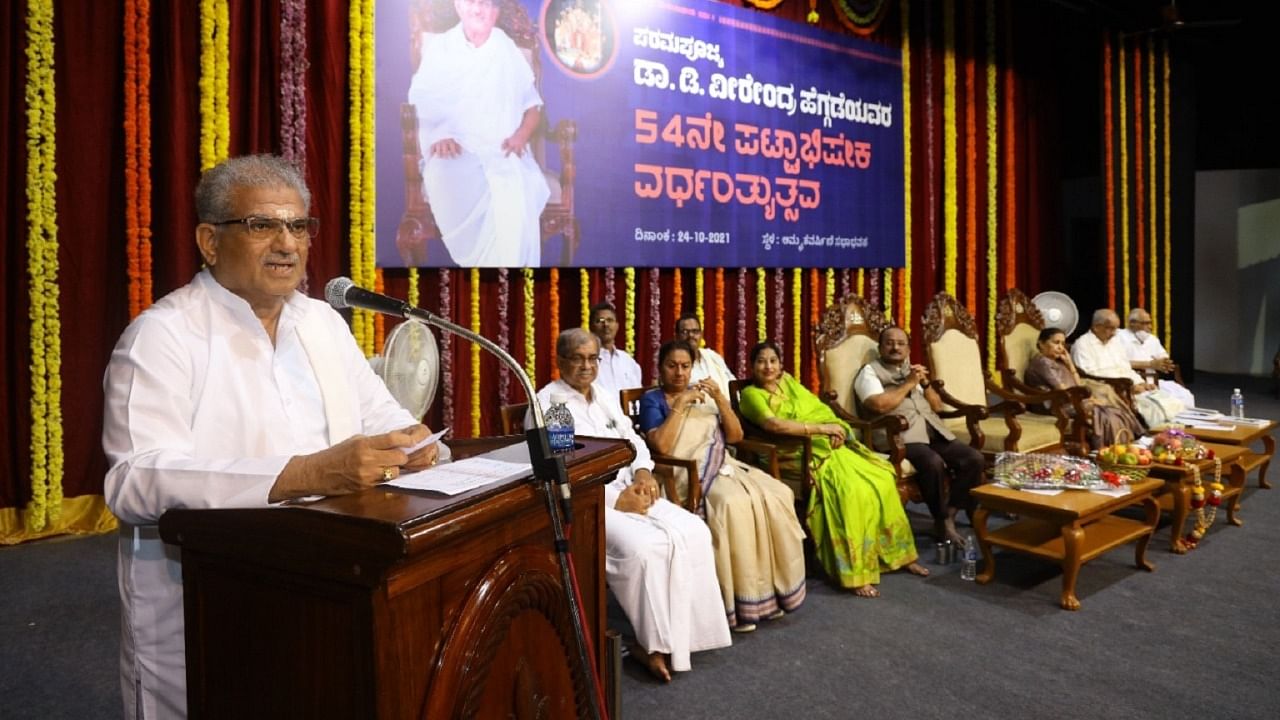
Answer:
(1237, 485)
(1072, 540)
(1268, 449)
(1181, 506)
(988, 560)
(1152, 510)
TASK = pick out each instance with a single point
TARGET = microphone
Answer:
(343, 293)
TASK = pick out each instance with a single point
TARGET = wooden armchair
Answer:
(418, 225)
(798, 477)
(513, 418)
(845, 341)
(955, 359)
(1018, 326)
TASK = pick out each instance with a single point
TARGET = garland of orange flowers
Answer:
(630, 276)
(950, 236)
(1010, 157)
(1139, 183)
(475, 353)
(677, 296)
(1151, 186)
(762, 319)
(379, 320)
(1168, 207)
(699, 288)
(584, 295)
(554, 299)
(993, 188)
(719, 298)
(904, 287)
(42, 269)
(1124, 181)
(530, 342)
(971, 170)
(137, 127)
(797, 306)
(1109, 186)
(815, 313)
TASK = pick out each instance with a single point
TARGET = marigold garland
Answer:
(42, 268)
(815, 312)
(904, 307)
(446, 351)
(584, 295)
(888, 294)
(742, 322)
(797, 310)
(1010, 157)
(629, 275)
(655, 319)
(609, 287)
(829, 290)
(779, 308)
(862, 277)
(475, 353)
(553, 297)
(361, 320)
(762, 321)
(971, 169)
(368, 191)
(379, 320)
(1108, 168)
(293, 83)
(504, 333)
(137, 127)
(950, 212)
(719, 300)
(415, 291)
(530, 343)
(930, 167)
(1168, 207)
(1124, 180)
(698, 309)
(1153, 265)
(215, 64)
(1139, 184)
(993, 189)
(222, 80)
(677, 297)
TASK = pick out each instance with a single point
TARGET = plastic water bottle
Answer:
(559, 424)
(969, 569)
(1237, 403)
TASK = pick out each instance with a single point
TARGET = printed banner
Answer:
(652, 133)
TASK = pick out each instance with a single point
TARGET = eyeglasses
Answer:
(577, 360)
(605, 320)
(265, 228)
(689, 331)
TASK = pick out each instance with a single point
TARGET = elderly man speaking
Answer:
(233, 391)
(659, 561)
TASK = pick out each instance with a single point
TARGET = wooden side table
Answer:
(1175, 497)
(1245, 436)
(1070, 528)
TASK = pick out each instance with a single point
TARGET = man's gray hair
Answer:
(572, 339)
(218, 184)
(1136, 313)
(1101, 316)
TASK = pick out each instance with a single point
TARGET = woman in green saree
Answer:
(855, 517)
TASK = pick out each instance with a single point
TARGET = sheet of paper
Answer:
(1048, 492)
(433, 437)
(1113, 492)
(457, 477)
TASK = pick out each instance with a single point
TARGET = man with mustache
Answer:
(234, 391)
(891, 385)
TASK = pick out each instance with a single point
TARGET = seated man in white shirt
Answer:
(1098, 353)
(234, 391)
(707, 363)
(618, 370)
(659, 562)
(1149, 357)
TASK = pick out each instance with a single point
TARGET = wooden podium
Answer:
(395, 603)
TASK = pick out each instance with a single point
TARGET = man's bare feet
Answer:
(654, 662)
(866, 591)
(916, 568)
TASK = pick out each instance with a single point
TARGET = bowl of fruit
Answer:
(1174, 446)
(1125, 457)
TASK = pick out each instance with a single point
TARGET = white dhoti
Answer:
(487, 207)
(661, 568)
(1157, 407)
(1177, 392)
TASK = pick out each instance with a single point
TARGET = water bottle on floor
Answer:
(559, 424)
(969, 568)
(1237, 403)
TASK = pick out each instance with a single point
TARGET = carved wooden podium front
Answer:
(394, 603)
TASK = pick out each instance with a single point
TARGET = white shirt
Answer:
(618, 371)
(711, 365)
(1110, 360)
(201, 411)
(1140, 350)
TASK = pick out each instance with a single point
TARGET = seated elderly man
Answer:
(659, 561)
(1148, 356)
(235, 390)
(707, 363)
(891, 385)
(1100, 354)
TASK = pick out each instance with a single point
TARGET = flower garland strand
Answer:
(846, 280)
(222, 80)
(699, 287)
(379, 320)
(415, 290)
(504, 333)
(829, 294)
(584, 295)
(1168, 207)
(742, 322)
(629, 275)
(475, 353)
(137, 127)
(1108, 168)
(609, 294)
(530, 332)
(1139, 185)
(950, 210)
(780, 311)
(293, 83)
(360, 319)
(762, 300)
(873, 287)
(719, 303)
(446, 352)
(1010, 157)
(553, 293)
(215, 65)
(930, 166)
(42, 269)
(971, 168)
(815, 314)
(797, 311)
(993, 187)
(655, 319)
(368, 190)
(1154, 264)
(677, 296)
(1124, 179)
(888, 294)
(1198, 501)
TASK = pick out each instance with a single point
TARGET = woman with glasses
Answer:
(757, 538)
(855, 516)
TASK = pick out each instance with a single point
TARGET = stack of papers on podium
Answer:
(453, 478)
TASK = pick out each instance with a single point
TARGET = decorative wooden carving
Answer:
(1015, 308)
(945, 313)
(852, 315)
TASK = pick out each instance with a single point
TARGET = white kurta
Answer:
(486, 204)
(660, 566)
(618, 371)
(1109, 360)
(1148, 349)
(711, 365)
(202, 412)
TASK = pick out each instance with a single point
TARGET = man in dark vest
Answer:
(891, 385)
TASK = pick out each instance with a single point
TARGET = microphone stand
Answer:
(550, 470)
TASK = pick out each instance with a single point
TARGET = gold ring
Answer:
(387, 474)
